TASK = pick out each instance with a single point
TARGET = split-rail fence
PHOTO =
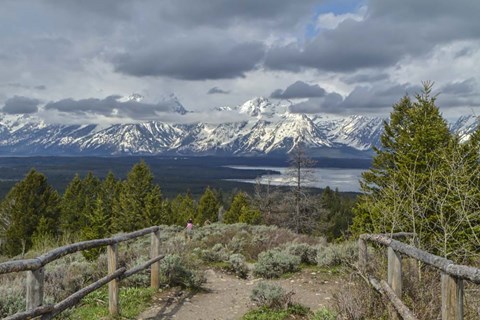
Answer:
(452, 275)
(35, 274)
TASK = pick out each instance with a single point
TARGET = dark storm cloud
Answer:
(217, 90)
(329, 104)
(220, 12)
(365, 78)
(360, 100)
(299, 89)
(20, 105)
(463, 87)
(390, 32)
(22, 86)
(112, 107)
(194, 60)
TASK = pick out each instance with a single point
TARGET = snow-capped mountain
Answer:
(464, 126)
(265, 128)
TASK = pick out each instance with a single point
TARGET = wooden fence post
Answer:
(452, 298)
(395, 276)
(112, 253)
(35, 281)
(362, 255)
(155, 268)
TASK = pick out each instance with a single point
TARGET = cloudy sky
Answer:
(72, 61)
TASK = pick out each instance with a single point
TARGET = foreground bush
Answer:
(345, 253)
(274, 263)
(306, 252)
(174, 271)
(271, 296)
(237, 264)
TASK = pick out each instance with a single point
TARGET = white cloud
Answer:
(331, 20)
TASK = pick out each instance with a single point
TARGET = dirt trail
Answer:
(228, 297)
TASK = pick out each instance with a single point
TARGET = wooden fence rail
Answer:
(451, 279)
(35, 274)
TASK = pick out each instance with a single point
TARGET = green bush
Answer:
(295, 311)
(237, 264)
(12, 300)
(217, 253)
(271, 296)
(305, 252)
(274, 263)
(324, 314)
(174, 271)
(337, 254)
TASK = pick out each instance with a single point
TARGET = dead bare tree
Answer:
(300, 174)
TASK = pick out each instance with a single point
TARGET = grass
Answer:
(296, 311)
(95, 305)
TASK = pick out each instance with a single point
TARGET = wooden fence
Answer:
(35, 274)
(452, 275)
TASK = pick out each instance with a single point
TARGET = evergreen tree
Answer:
(72, 207)
(79, 201)
(32, 203)
(422, 180)
(99, 223)
(108, 194)
(139, 203)
(239, 203)
(183, 208)
(249, 215)
(396, 183)
(336, 216)
(208, 207)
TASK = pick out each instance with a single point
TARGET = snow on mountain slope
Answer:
(269, 128)
(359, 132)
(465, 126)
(143, 138)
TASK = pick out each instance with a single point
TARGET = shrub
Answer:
(337, 254)
(12, 300)
(305, 252)
(324, 314)
(274, 263)
(271, 296)
(174, 272)
(237, 264)
(295, 311)
(217, 253)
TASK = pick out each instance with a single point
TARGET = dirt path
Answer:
(228, 297)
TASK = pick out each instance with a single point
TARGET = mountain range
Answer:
(263, 128)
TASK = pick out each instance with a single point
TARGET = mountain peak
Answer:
(258, 107)
(174, 104)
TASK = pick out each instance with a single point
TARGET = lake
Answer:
(346, 180)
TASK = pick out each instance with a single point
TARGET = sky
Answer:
(72, 61)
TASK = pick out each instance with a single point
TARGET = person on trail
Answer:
(189, 229)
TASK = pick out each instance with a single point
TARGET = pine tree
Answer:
(208, 207)
(250, 215)
(72, 206)
(31, 203)
(79, 200)
(239, 203)
(183, 208)
(423, 180)
(140, 200)
(396, 182)
(108, 193)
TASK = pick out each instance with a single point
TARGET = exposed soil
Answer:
(227, 297)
